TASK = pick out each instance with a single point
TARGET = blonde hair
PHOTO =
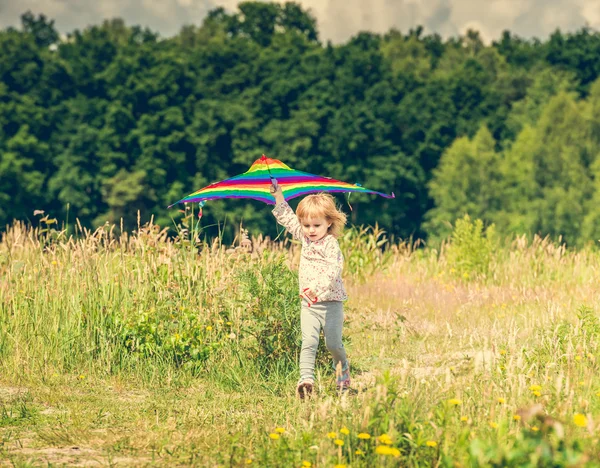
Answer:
(322, 204)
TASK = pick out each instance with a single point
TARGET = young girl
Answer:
(317, 225)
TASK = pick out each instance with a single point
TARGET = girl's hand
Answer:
(277, 193)
(310, 294)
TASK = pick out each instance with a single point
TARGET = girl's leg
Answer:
(332, 329)
(311, 323)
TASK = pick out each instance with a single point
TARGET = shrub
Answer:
(471, 249)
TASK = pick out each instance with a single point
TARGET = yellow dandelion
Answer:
(431, 443)
(344, 430)
(385, 439)
(81, 377)
(493, 425)
(501, 400)
(464, 418)
(274, 436)
(517, 417)
(395, 452)
(54, 262)
(229, 323)
(359, 452)
(598, 394)
(208, 328)
(332, 435)
(454, 402)
(580, 420)
(578, 358)
(535, 388)
(536, 393)
(306, 464)
(339, 466)
(339, 442)
(502, 352)
(535, 428)
(365, 436)
(248, 461)
(279, 430)
(383, 450)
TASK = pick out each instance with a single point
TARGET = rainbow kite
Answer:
(256, 184)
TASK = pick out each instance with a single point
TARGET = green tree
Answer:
(466, 182)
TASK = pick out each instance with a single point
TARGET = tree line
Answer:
(114, 120)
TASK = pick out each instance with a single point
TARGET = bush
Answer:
(471, 249)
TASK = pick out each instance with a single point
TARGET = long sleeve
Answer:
(287, 218)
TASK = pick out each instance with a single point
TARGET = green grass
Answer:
(147, 351)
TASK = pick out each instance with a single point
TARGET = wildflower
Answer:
(279, 430)
(344, 430)
(339, 466)
(220, 321)
(454, 402)
(248, 461)
(502, 352)
(598, 394)
(338, 442)
(365, 436)
(578, 358)
(332, 435)
(383, 450)
(359, 452)
(537, 393)
(581, 384)
(517, 417)
(229, 323)
(580, 420)
(306, 464)
(535, 388)
(54, 262)
(501, 400)
(274, 436)
(493, 425)
(81, 377)
(535, 428)
(431, 443)
(385, 439)
(208, 328)
(464, 418)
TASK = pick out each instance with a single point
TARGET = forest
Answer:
(113, 123)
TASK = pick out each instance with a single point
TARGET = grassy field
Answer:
(142, 350)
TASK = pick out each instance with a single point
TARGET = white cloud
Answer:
(337, 19)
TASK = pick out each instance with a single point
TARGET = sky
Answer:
(338, 20)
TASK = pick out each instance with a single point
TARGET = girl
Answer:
(317, 225)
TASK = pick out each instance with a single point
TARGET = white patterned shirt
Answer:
(321, 262)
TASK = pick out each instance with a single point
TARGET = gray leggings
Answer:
(330, 316)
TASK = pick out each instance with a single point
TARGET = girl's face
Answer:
(315, 228)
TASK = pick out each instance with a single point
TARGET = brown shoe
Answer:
(305, 389)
